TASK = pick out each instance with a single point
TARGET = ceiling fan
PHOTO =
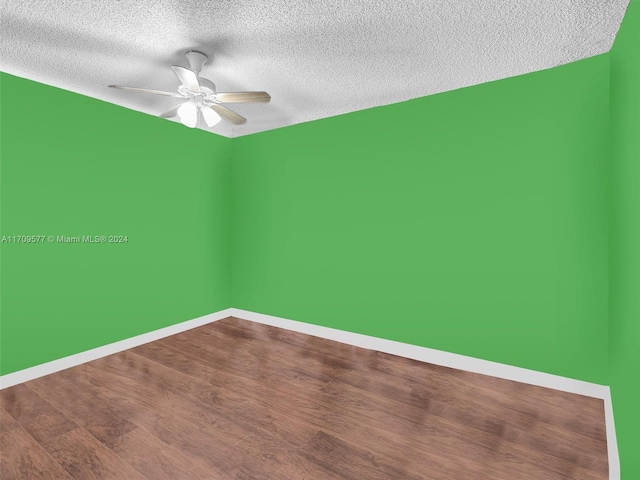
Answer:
(203, 101)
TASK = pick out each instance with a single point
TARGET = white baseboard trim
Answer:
(423, 354)
(41, 370)
(612, 440)
(460, 362)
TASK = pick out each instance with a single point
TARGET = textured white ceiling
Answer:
(316, 59)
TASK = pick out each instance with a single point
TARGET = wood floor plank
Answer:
(240, 400)
(138, 403)
(7, 422)
(84, 457)
(23, 404)
(290, 463)
(48, 426)
(337, 455)
(89, 412)
(37, 416)
(555, 441)
(229, 459)
(23, 457)
(189, 391)
(155, 459)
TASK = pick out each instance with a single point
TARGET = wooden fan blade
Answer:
(227, 114)
(243, 97)
(188, 78)
(146, 90)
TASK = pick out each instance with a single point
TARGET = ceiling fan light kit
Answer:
(203, 101)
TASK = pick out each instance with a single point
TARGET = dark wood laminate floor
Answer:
(240, 400)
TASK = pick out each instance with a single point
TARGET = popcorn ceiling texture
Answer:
(316, 59)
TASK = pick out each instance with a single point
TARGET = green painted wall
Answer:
(473, 221)
(71, 165)
(625, 240)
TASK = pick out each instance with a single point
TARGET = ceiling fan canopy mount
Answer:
(196, 60)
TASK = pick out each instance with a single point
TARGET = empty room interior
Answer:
(320, 240)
